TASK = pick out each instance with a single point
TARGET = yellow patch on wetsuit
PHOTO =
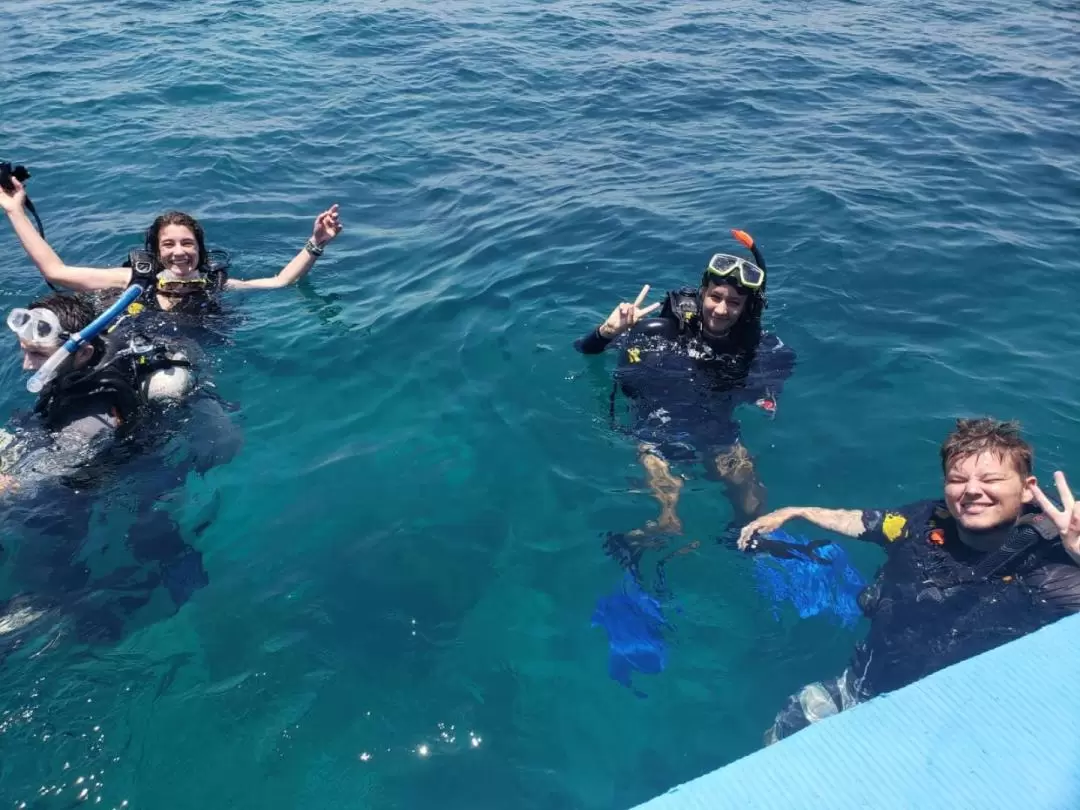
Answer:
(893, 526)
(134, 308)
(633, 355)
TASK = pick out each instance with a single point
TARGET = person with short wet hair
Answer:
(991, 560)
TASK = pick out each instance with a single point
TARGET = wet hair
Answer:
(74, 312)
(177, 218)
(746, 333)
(973, 437)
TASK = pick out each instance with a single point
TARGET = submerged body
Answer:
(684, 389)
(683, 385)
(963, 574)
(686, 369)
(50, 566)
(89, 422)
(928, 612)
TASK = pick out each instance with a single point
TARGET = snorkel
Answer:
(748, 242)
(750, 277)
(44, 375)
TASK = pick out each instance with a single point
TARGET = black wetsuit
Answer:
(929, 609)
(85, 423)
(197, 322)
(146, 269)
(684, 388)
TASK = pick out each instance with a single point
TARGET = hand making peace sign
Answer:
(625, 315)
(1067, 519)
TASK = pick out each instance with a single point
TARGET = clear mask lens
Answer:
(39, 326)
(748, 273)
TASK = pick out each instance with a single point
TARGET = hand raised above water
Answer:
(327, 226)
(625, 315)
(12, 201)
(1067, 518)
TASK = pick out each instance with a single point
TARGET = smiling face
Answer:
(986, 491)
(178, 251)
(721, 306)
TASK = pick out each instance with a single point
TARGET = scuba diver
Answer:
(175, 268)
(89, 413)
(963, 574)
(684, 371)
(94, 397)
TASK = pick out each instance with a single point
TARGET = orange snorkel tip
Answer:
(746, 239)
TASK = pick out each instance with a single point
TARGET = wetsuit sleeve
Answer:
(72, 447)
(592, 343)
(773, 363)
(887, 526)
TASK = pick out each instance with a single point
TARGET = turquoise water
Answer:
(408, 549)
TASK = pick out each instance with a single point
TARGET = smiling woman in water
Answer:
(175, 268)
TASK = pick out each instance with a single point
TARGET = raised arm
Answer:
(42, 254)
(622, 318)
(327, 227)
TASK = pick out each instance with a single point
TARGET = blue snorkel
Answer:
(45, 374)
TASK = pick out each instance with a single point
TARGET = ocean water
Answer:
(405, 556)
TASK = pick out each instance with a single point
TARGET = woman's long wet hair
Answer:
(178, 218)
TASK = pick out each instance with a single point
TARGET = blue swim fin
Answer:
(635, 625)
(815, 577)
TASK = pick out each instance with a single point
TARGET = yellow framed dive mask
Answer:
(748, 274)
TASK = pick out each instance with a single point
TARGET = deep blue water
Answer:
(408, 549)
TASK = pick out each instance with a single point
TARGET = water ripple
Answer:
(423, 444)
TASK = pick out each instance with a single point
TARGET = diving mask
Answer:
(748, 274)
(39, 326)
(171, 284)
